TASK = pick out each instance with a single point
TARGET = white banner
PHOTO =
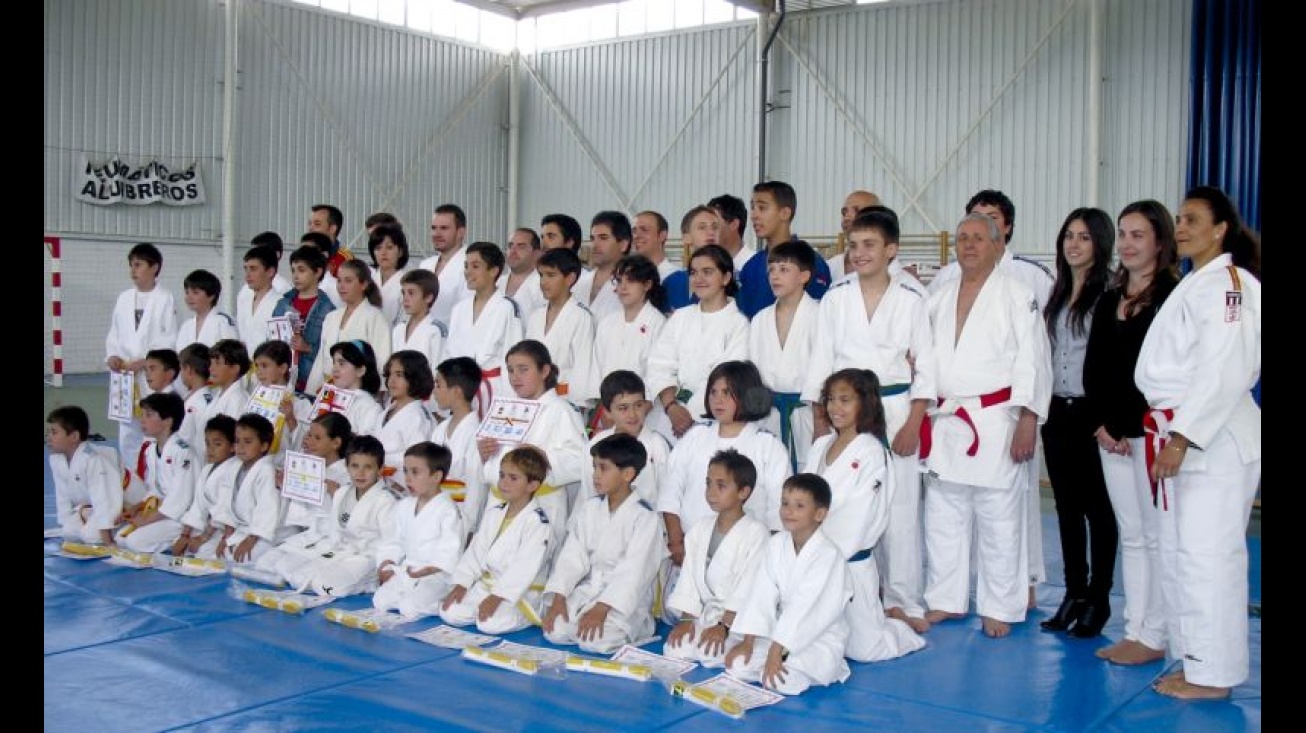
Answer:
(115, 182)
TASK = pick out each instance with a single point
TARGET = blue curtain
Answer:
(1224, 142)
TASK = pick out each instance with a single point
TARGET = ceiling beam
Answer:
(757, 6)
(557, 6)
(490, 6)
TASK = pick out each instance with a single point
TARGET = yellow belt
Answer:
(488, 581)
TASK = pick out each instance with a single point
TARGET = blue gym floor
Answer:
(145, 650)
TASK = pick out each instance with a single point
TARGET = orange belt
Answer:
(986, 400)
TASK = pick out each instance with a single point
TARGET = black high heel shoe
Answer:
(1091, 619)
(1066, 615)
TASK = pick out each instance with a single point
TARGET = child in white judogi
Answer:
(337, 557)
(415, 560)
(87, 479)
(193, 374)
(272, 365)
(557, 430)
(721, 555)
(564, 325)
(251, 511)
(780, 341)
(219, 470)
(622, 340)
(623, 399)
(456, 382)
(878, 319)
(419, 330)
(854, 461)
(144, 318)
(209, 325)
(486, 324)
(994, 386)
(354, 369)
(406, 421)
(328, 437)
(697, 338)
(228, 363)
(359, 318)
(498, 582)
(600, 592)
(172, 475)
(796, 601)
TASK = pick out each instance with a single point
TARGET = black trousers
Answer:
(1084, 514)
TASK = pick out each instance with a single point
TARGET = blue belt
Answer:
(861, 555)
(786, 403)
(889, 390)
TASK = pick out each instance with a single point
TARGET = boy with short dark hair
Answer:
(87, 482)
(420, 331)
(250, 509)
(171, 476)
(772, 210)
(564, 325)
(610, 236)
(796, 600)
(144, 317)
(622, 395)
(497, 582)
(721, 554)
(456, 382)
(193, 373)
(259, 296)
(219, 471)
(780, 340)
(307, 267)
(485, 325)
(209, 324)
(600, 592)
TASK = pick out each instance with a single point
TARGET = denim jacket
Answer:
(312, 329)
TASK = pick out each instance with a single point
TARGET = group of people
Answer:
(755, 447)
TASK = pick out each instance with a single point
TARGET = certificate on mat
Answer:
(452, 638)
(304, 478)
(748, 696)
(661, 666)
(508, 420)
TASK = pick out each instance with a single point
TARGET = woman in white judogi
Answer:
(893, 338)
(509, 558)
(623, 340)
(1199, 361)
(797, 599)
(359, 318)
(570, 340)
(171, 477)
(610, 556)
(92, 481)
(129, 339)
(784, 369)
(993, 376)
(697, 338)
(856, 464)
(388, 247)
(709, 587)
(557, 430)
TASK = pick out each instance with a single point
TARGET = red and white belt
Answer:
(996, 397)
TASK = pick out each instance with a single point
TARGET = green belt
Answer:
(889, 390)
(861, 555)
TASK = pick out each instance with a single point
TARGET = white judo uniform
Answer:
(649, 481)
(1200, 359)
(363, 411)
(785, 369)
(215, 480)
(709, 588)
(508, 558)
(217, 326)
(622, 344)
(609, 557)
(252, 506)
(197, 407)
(689, 347)
(558, 432)
(366, 323)
(683, 490)
(846, 339)
(87, 492)
(426, 336)
(131, 340)
(229, 401)
(797, 599)
(862, 485)
(172, 476)
(252, 318)
(486, 340)
(300, 515)
(570, 340)
(1003, 347)
(401, 429)
(603, 303)
(464, 483)
(392, 294)
(431, 537)
(528, 295)
(337, 557)
(453, 285)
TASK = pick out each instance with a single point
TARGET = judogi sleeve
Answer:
(813, 600)
(634, 572)
(532, 548)
(1031, 374)
(686, 598)
(268, 510)
(573, 561)
(103, 483)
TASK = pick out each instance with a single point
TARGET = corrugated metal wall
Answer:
(670, 117)
(927, 103)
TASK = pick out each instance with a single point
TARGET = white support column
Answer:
(514, 138)
(229, 83)
(1095, 84)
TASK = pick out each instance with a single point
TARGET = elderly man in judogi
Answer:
(994, 384)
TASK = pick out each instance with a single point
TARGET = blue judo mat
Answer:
(145, 650)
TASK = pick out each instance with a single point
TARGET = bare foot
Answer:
(1107, 652)
(1185, 690)
(1132, 653)
(994, 628)
(1033, 598)
(935, 617)
(919, 625)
